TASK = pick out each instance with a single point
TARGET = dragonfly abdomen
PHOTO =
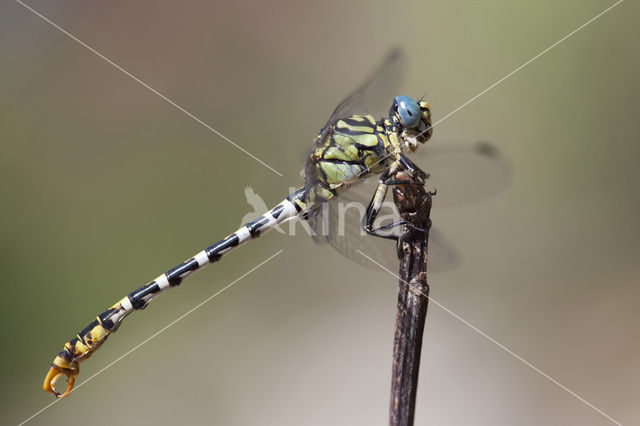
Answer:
(91, 337)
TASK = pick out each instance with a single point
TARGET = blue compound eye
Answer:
(408, 110)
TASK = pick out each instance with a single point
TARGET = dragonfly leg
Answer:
(402, 182)
(376, 204)
(397, 223)
(377, 200)
(419, 175)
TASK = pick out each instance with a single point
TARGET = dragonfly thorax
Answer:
(349, 149)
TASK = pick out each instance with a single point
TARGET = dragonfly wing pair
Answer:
(461, 173)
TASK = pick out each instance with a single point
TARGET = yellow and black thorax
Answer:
(351, 149)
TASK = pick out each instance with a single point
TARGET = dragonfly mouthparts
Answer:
(411, 141)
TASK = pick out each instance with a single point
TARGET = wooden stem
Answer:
(414, 206)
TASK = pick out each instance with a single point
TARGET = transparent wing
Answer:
(462, 172)
(339, 224)
(376, 94)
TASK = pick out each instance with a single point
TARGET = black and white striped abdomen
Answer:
(138, 299)
(90, 338)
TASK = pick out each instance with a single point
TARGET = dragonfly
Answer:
(352, 146)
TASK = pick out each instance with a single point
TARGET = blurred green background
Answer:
(105, 185)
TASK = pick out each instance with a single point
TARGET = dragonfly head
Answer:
(412, 119)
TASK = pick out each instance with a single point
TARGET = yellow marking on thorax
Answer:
(342, 125)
